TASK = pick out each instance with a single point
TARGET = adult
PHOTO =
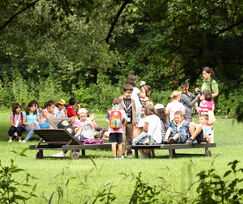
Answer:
(47, 113)
(60, 111)
(209, 83)
(188, 100)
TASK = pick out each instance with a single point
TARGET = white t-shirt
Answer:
(135, 97)
(174, 106)
(86, 129)
(154, 127)
(59, 113)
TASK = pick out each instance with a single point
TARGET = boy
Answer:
(128, 105)
(203, 131)
(116, 117)
(178, 129)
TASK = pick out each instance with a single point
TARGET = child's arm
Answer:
(11, 121)
(145, 127)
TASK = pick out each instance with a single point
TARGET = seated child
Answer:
(160, 112)
(178, 129)
(16, 122)
(86, 127)
(202, 132)
(151, 131)
(75, 121)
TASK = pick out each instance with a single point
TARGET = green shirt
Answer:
(206, 86)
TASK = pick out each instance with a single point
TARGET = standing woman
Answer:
(31, 120)
(209, 83)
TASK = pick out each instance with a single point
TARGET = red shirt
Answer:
(70, 111)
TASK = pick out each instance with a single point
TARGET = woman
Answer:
(209, 82)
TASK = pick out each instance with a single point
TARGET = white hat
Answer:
(159, 106)
(82, 110)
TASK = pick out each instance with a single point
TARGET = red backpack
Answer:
(116, 119)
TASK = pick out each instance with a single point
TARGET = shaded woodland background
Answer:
(52, 49)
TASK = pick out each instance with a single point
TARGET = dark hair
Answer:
(149, 110)
(127, 87)
(35, 102)
(178, 113)
(209, 71)
(161, 114)
(205, 116)
(49, 103)
(116, 101)
(14, 107)
(72, 101)
(31, 104)
(131, 79)
(208, 95)
(184, 85)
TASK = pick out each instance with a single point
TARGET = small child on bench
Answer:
(202, 132)
(178, 129)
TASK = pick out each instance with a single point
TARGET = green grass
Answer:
(90, 177)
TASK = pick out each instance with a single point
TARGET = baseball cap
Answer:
(62, 102)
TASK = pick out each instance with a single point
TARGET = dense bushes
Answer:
(96, 97)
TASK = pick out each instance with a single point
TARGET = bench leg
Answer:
(39, 154)
(83, 152)
(171, 153)
(207, 152)
(136, 153)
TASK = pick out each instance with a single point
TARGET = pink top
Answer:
(174, 106)
(205, 106)
(17, 119)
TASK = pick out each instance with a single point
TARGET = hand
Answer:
(197, 89)
(78, 105)
(198, 96)
(92, 116)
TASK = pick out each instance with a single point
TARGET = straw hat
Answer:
(62, 102)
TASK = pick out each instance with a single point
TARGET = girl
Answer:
(174, 105)
(47, 113)
(188, 100)
(86, 127)
(206, 106)
(151, 131)
(209, 82)
(31, 120)
(16, 122)
(146, 89)
(160, 112)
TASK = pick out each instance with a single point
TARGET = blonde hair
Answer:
(74, 119)
(175, 94)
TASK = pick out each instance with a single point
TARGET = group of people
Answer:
(132, 119)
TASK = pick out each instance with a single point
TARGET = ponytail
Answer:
(209, 71)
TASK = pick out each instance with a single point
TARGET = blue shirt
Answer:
(31, 118)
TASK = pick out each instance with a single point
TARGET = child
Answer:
(206, 106)
(151, 131)
(202, 132)
(46, 114)
(16, 122)
(188, 100)
(31, 120)
(160, 112)
(128, 105)
(174, 105)
(86, 127)
(60, 111)
(178, 129)
(70, 107)
(75, 121)
(116, 117)
(146, 89)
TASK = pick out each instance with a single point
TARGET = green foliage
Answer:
(105, 195)
(214, 188)
(12, 190)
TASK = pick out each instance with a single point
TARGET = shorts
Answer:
(115, 137)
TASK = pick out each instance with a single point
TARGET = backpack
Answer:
(116, 119)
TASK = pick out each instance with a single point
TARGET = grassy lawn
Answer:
(98, 170)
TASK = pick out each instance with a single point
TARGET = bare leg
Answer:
(113, 148)
(196, 132)
(119, 149)
(10, 137)
(137, 132)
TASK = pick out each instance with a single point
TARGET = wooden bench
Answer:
(172, 148)
(60, 139)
